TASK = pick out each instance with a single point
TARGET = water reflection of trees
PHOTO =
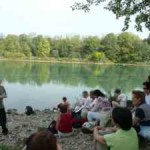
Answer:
(107, 77)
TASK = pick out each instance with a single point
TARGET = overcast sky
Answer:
(55, 17)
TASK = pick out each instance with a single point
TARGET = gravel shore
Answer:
(21, 126)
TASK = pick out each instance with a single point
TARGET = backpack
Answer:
(29, 110)
(52, 127)
(77, 120)
(87, 127)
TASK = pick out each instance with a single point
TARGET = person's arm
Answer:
(3, 94)
(97, 137)
(96, 106)
(58, 147)
(139, 115)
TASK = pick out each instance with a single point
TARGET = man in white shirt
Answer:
(121, 99)
(146, 88)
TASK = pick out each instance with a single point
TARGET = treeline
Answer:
(125, 47)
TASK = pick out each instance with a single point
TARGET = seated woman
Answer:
(121, 139)
(85, 101)
(64, 122)
(101, 109)
(43, 140)
(141, 114)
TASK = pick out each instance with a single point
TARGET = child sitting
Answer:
(121, 139)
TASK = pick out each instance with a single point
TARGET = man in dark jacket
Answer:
(2, 109)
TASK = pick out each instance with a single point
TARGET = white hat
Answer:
(78, 108)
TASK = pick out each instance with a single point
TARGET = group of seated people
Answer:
(127, 125)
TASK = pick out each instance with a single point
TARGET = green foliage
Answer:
(97, 56)
(123, 48)
(90, 44)
(126, 48)
(140, 9)
(25, 45)
(41, 46)
(110, 47)
(14, 55)
(12, 43)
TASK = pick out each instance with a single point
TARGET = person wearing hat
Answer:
(121, 99)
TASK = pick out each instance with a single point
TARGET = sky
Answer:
(56, 18)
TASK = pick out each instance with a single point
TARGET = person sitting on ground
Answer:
(65, 102)
(43, 140)
(141, 114)
(146, 88)
(64, 122)
(101, 109)
(121, 99)
(86, 101)
(121, 139)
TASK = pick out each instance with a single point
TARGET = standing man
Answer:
(2, 109)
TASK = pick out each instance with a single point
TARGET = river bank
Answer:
(70, 61)
(21, 126)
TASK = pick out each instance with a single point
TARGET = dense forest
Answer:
(121, 48)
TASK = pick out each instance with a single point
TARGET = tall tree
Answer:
(25, 44)
(123, 8)
(42, 46)
(90, 44)
(12, 43)
(109, 46)
(126, 50)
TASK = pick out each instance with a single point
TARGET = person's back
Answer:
(121, 140)
(65, 124)
(124, 137)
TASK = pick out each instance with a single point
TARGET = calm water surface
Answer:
(42, 85)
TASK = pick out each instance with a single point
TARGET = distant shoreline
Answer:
(67, 61)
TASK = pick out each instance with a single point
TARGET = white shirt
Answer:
(147, 99)
(123, 100)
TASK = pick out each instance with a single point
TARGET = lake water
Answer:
(42, 85)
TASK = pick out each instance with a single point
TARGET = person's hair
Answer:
(98, 93)
(122, 117)
(43, 140)
(85, 93)
(139, 94)
(63, 108)
(64, 98)
(117, 91)
(92, 94)
(147, 85)
(148, 78)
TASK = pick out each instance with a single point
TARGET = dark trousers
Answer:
(3, 119)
